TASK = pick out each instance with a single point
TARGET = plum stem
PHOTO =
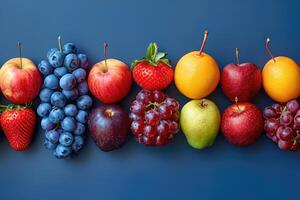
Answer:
(236, 103)
(59, 43)
(19, 46)
(203, 42)
(269, 50)
(105, 45)
(237, 55)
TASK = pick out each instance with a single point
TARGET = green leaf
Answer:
(166, 61)
(134, 63)
(159, 55)
(151, 51)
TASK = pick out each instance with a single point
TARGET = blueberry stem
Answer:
(59, 43)
(20, 53)
(203, 42)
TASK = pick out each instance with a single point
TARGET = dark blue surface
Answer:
(176, 171)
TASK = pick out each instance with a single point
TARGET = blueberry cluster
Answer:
(64, 100)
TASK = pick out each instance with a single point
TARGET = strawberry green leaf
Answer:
(151, 51)
(166, 61)
(159, 55)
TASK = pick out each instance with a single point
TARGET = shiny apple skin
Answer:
(242, 81)
(112, 85)
(242, 123)
(109, 126)
(20, 85)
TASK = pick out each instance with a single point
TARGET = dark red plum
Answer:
(109, 126)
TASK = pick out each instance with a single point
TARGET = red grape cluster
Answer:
(282, 124)
(154, 117)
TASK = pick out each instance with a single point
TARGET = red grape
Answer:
(134, 117)
(284, 145)
(297, 121)
(137, 127)
(173, 103)
(137, 107)
(269, 112)
(164, 112)
(293, 106)
(158, 96)
(286, 134)
(277, 107)
(271, 125)
(144, 96)
(286, 118)
(150, 131)
(152, 117)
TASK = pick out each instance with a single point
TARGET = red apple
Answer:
(241, 80)
(20, 80)
(242, 123)
(109, 80)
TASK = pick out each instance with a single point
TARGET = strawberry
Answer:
(153, 72)
(18, 126)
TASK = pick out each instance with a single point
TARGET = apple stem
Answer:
(269, 50)
(105, 45)
(59, 43)
(237, 55)
(20, 53)
(203, 42)
(236, 103)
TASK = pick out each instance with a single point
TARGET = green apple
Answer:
(200, 122)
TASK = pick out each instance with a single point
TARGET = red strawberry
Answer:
(18, 126)
(153, 72)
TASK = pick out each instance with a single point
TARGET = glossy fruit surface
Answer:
(109, 126)
(200, 122)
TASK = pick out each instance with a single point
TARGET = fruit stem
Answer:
(269, 50)
(236, 103)
(105, 45)
(59, 43)
(237, 55)
(20, 53)
(203, 42)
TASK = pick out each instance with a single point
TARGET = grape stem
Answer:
(237, 55)
(105, 45)
(155, 105)
(269, 50)
(203, 42)
(20, 53)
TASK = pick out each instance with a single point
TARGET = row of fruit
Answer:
(63, 82)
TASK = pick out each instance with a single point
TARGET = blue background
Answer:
(176, 171)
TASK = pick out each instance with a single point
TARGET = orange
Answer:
(196, 75)
(281, 79)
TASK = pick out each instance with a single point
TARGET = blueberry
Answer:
(84, 102)
(51, 51)
(46, 124)
(83, 60)
(49, 145)
(68, 124)
(60, 71)
(56, 58)
(80, 129)
(67, 82)
(70, 110)
(71, 62)
(83, 88)
(78, 143)
(45, 67)
(62, 151)
(52, 136)
(69, 48)
(43, 109)
(51, 82)
(45, 94)
(81, 116)
(71, 94)
(66, 138)
(58, 99)
(79, 74)
(56, 115)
